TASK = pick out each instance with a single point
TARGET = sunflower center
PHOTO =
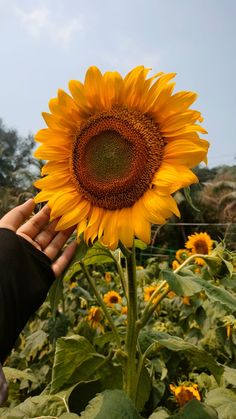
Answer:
(201, 247)
(114, 299)
(115, 156)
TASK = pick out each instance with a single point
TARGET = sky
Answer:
(46, 43)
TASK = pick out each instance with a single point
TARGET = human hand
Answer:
(41, 233)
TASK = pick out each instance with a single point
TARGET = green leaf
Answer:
(198, 356)
(196, 410)
(189, 285)
(160, 414)
(98, 254)
(218, 294)
(75, 360)
(56, 294)
(69, 416)
(113, 404)
(182, 285)
(13, 374)
(188, 198)
(79, 255)
(36, 407)
(140, 244)
(143, 390)
(230, 375)
(224, 401)
(34, 343)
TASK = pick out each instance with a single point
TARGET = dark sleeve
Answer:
(25, 278)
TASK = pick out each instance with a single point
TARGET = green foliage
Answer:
(111, 403)
(65, 365)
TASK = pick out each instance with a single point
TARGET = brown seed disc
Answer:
(115, 156)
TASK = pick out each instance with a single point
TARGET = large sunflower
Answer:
(116, 151)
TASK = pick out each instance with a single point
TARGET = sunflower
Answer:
(199, 243)
(111, 298)
(175, 264)
(116, 151)
(181, 255)
(94, 318)
(148, 291)
(184, 393)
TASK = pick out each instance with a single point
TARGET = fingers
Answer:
(36, 223)
(44, 237)
(57, 243)
(61, 263)
(14, 218)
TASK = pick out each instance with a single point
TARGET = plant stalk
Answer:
(132, 332)
(101, 303)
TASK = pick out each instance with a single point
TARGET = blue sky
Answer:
(45, 43)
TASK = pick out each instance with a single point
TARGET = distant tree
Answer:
(18, 168)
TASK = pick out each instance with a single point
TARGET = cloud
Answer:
(40, 22)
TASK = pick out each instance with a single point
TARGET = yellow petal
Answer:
(125, 227)
(52, 152)
(142, 227)
(113, 86)
(171, 178)
(93, 87)
(55, 166)
(53, 182)
(184, 153)
(78, 214)
(177, 103)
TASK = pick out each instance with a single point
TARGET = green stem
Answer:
(132, 333)
(101, 303)
(197, 255)
(121, 275)
(148, 313)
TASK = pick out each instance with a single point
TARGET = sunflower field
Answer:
(127, 332)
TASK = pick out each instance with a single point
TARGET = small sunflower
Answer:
(124, 310)
(181, 255)
(199, 243)
(175, 264)
(108, 276)
(116, 151)
(94, 318)
(111, 298)
(184, 393)
(148, 291)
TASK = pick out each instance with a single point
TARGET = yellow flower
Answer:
(94, 318)
(199, 243)
(73, 285)
(171, 295)
(181, 255)
(107, 276)
(186, 301)
(184, 393)
(124, 310)
(116, 151)
(111, 298)
(175, 264)
(148, 291)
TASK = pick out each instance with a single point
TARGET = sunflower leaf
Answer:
(199, 357)
(189, 198)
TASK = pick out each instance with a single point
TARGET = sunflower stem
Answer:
(101, 303)
(132, 332)
(121, 275)
(196, 255)
(150, 308)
